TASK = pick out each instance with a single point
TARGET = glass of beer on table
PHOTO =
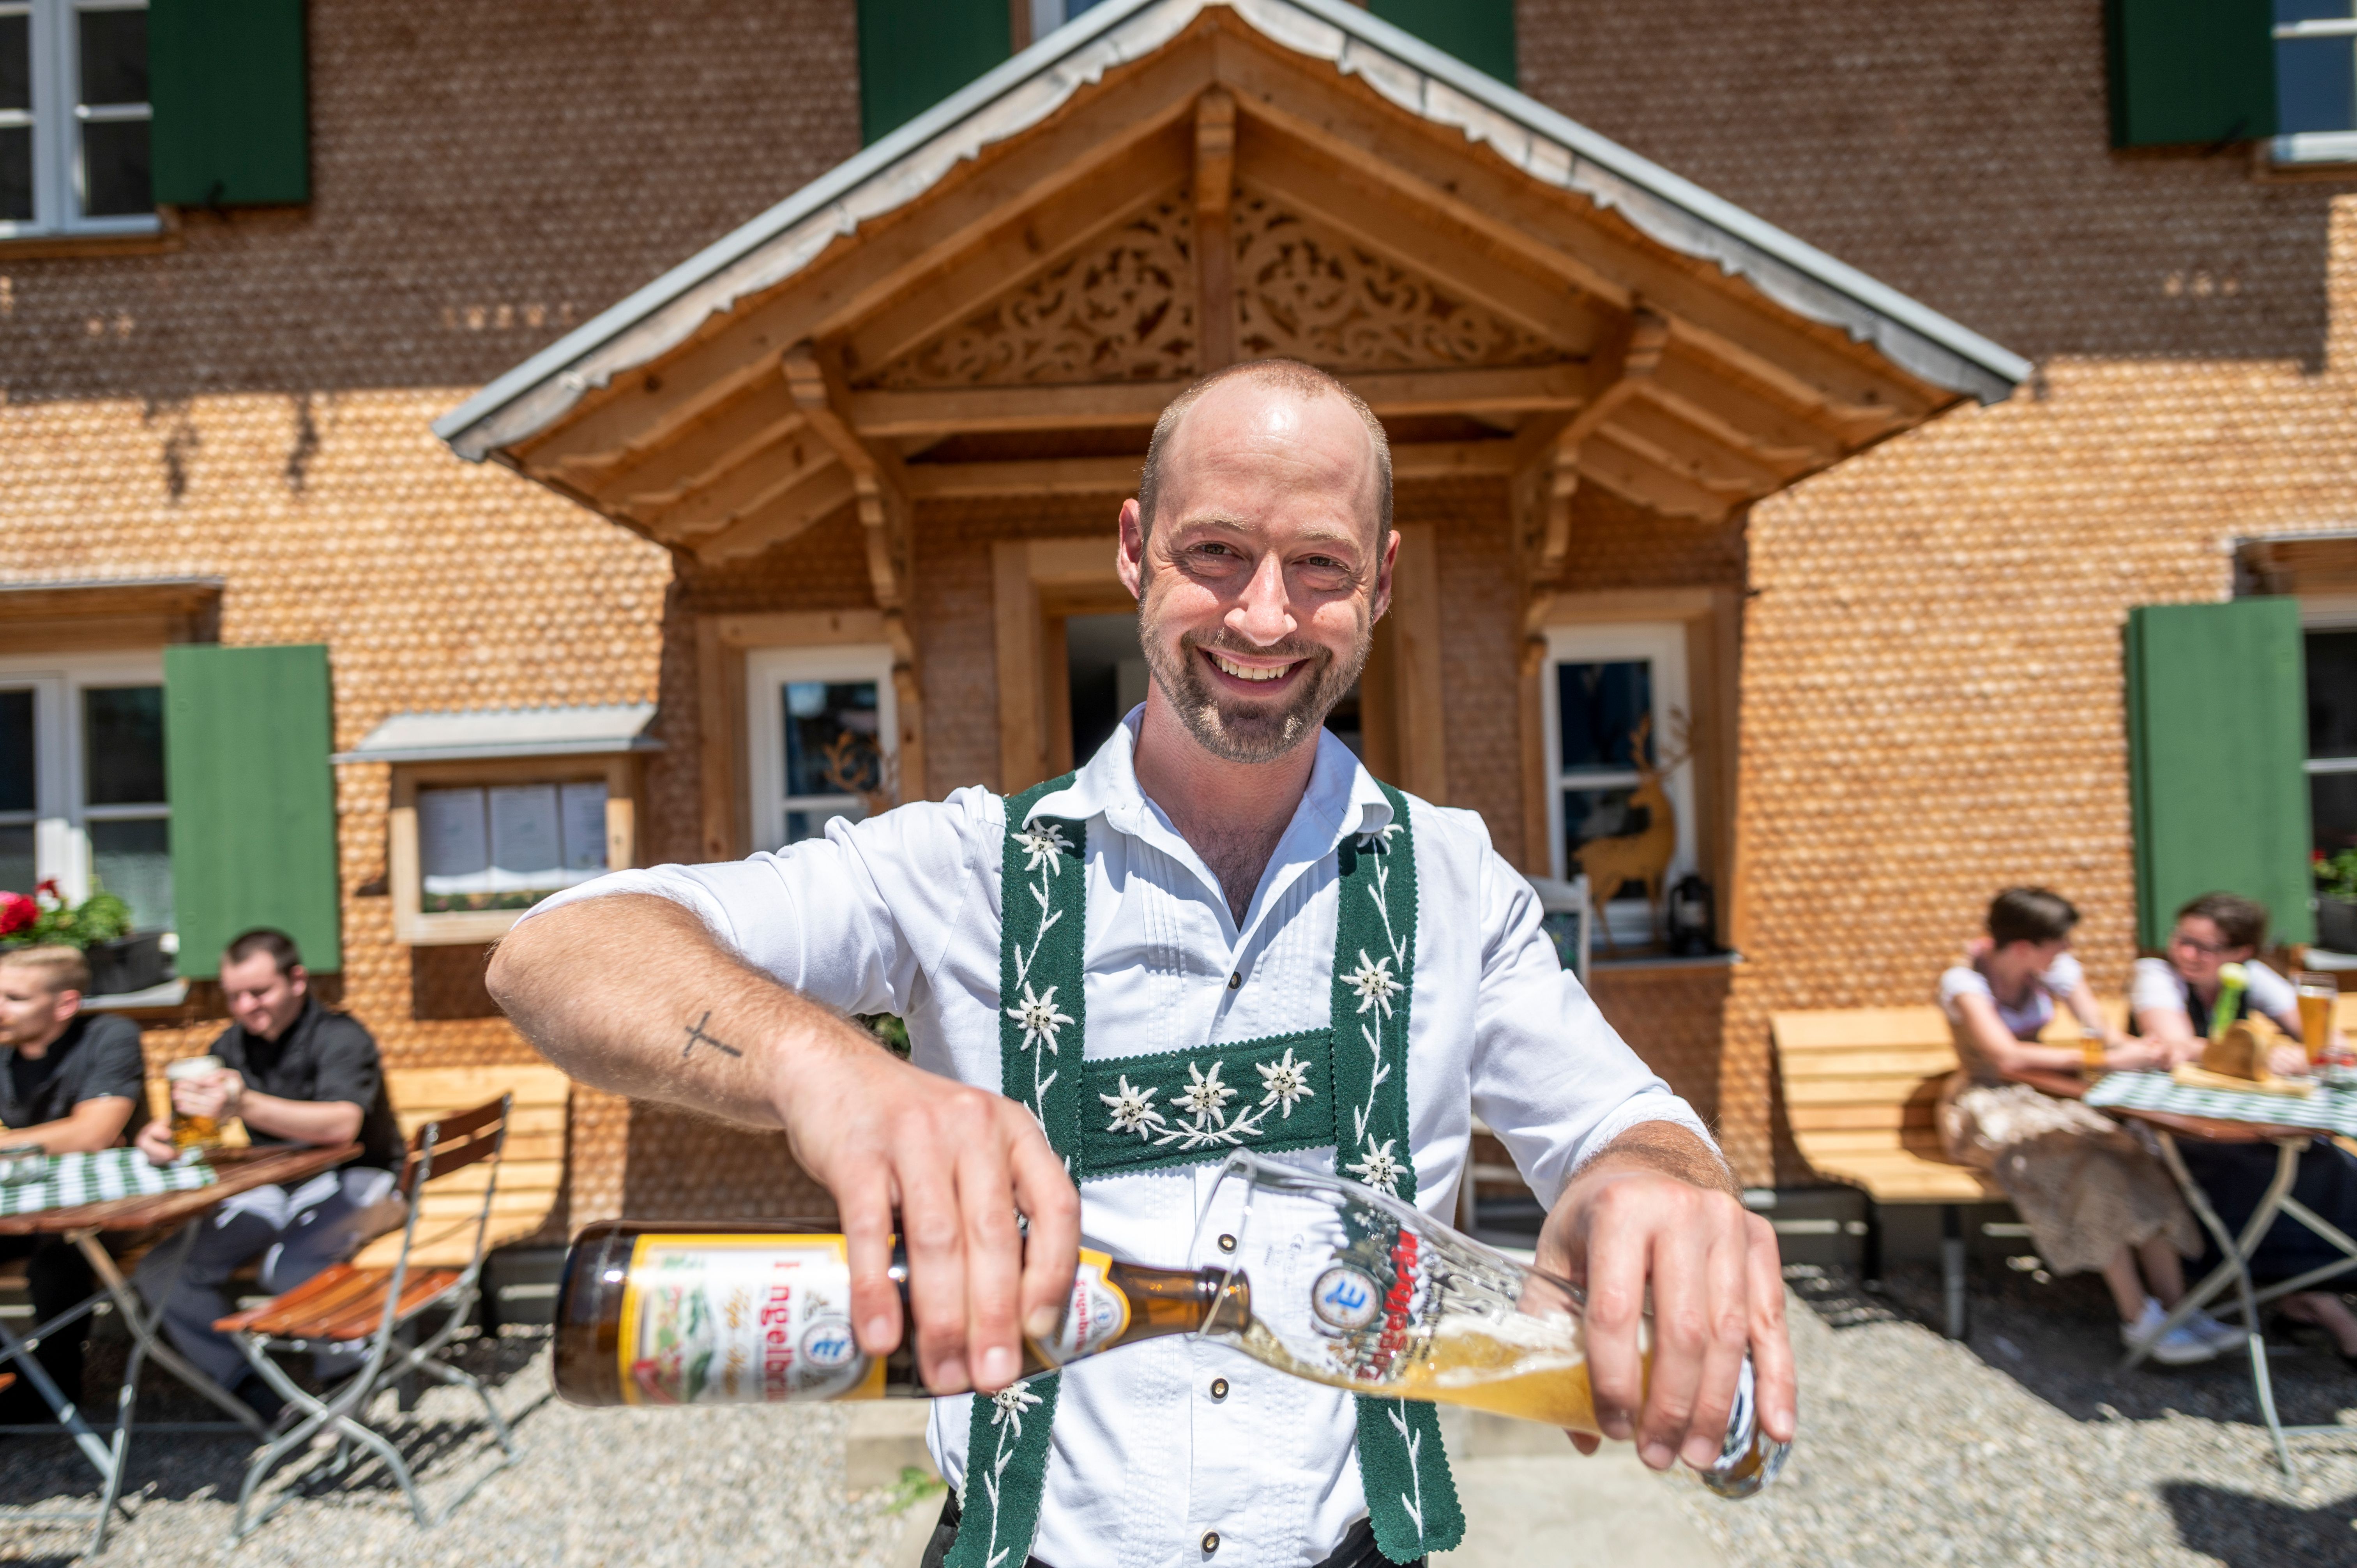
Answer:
(2320, 993)
(192, 1131)
(1354, 1289)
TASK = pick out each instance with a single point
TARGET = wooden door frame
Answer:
(723, 770)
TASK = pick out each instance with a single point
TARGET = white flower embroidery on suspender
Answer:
(1011, 1401)
(1045, 843)
(1286, 1081)
(1040, 1018)
(1375, 982)
(1380, 1168)
(1133, 1110)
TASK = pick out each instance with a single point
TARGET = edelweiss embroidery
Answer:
(1133, 1110)
(1011, 1401)
(1040, 1018)
(1045, 843)
(1375, 982)
(1286, 1082)
(1378, 1168)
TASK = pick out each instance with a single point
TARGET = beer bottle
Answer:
(686, 1313)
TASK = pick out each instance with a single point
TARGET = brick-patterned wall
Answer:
(1932, 681)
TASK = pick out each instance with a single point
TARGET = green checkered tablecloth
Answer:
(74, 1179)
(2326, 1109)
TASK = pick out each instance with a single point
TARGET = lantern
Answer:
(1694, 918)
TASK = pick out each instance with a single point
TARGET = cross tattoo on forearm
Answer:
(696, 1037)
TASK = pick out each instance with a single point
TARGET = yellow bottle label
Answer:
(1097, 1314)
(734, 1319)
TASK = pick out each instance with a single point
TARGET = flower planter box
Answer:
(2336, 924)
(131, 963)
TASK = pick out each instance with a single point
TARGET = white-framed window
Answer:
(74, 148)
(1602, 682)
(824, 737)
(82, 794)
(2316, 81)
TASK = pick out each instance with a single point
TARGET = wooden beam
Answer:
(1097, 405)
(1626, 472)
(761, 478)
(1026, 241)
(1456, 257)
(781, 518)
(1769, 430)
(1686, 449)
(867, 271)
(1423, 737)
(1118, 476)
(1547, 455)
(698, 451)
(1425, 166)
(1215, 246)
(1451, 459)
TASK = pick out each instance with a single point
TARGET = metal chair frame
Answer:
(391, 1360)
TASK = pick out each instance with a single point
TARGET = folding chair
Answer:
(348, 1304)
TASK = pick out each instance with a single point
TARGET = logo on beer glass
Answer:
(1345, 1298)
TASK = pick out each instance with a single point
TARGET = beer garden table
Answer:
(235, 1171)
(2291, 1122)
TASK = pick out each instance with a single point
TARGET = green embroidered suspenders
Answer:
(1343, 1086)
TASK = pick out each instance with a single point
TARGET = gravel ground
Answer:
(591, 1488)
(2025, 1445)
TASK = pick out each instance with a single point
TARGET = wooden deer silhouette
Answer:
(1643, 855)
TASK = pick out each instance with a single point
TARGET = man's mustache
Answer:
(1288, 648)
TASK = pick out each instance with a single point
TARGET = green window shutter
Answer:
(246, 737)
(914, 53)
(2217, 745)
(1478, 32)
(226, 80)
(2190, 72)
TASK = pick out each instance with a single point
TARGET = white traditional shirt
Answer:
(901, 914)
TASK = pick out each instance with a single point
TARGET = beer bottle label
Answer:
(1097, 1315)
(741, 1320)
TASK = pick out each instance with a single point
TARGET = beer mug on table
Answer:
(2320, 993)
(1354, 1289)
(192, 1131)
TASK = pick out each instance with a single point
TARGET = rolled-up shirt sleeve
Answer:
(851, 919)
(1551, 1077)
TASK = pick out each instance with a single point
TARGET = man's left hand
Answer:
(215, 1095)
(1657, 1211)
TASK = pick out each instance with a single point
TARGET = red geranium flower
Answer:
(17, 912)
(48, 888)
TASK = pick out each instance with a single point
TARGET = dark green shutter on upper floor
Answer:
(914, 53)
(1478, 32)
(246, 737)
(2190, 72)
(226, 80)
(2217, 748)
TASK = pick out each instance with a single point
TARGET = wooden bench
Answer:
(1861, 1089)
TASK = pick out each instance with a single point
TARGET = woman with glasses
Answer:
(2093, 1196)
(2172, 1001)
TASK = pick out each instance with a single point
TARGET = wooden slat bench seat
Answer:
(340, 1302)
(1861, 1090)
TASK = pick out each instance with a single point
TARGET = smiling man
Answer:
(1179, 908)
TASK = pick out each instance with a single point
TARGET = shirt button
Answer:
(1227, 1244)
(1235, 979)
(1211, 1541)
(1219, 1388)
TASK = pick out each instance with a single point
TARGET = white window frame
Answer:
(56, 118)
(767, 672)
(1662, 644)
(2318, 147)
(60, 817)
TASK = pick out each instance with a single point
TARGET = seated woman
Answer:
(2093, 1197)
(2172, 1000)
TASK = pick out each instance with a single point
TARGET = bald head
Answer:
(1270, 406)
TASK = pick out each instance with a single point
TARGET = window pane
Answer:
(810, 823)
(17, 874)
(833, 738)
(2316, 84)
(123, 731)
(2332, 808)
(1601, 706)
(2332, 693)
(16, 62)
(114, 169)
(134, 861)
(17, 753)
(16, 173)
(1601, 815)
(113, 47)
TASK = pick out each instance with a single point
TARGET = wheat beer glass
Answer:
(1357, 1290)
(192, 1131)
(2319, 994)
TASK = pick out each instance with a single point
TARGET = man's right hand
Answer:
(155, 1141)
(884, 1136)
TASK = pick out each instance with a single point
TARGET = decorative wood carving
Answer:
(1121, 310)
(1307, 292)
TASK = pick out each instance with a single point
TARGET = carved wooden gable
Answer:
(1121, 308)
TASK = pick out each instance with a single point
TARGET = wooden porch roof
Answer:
(1000, 297)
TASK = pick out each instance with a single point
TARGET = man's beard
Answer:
(1235, 731)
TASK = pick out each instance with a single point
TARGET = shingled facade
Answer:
(1904, 670)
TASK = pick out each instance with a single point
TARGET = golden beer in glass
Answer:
(192, 1131)
(2319, 995)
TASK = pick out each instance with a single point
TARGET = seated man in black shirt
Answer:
(71, 1081)
(294, 1073)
